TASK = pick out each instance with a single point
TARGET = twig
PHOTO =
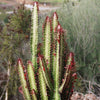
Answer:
(89, 82)
(83, 81)
(6, 94)
(93, 83)
(5, 88)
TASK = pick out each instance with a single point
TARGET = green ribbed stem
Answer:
(54, 25)
(31, 77)
(57, 75)
(67, 74)
(47, 41)
(61, 54)
(23, 81)
(43, 91)
(45, 72)
(34, 35)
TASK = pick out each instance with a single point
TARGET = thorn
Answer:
(44, 69)
(23, 67)
(72, 86)
(32, 92)
(55, 15)
(47, 19)
(65, 67)
(74, 75)
(69, 67)
(36, 5)
(47, 62)
(37, 59)
(54, 54)
(72, 90)
(29, 62)
(20, 90)
(71, 54)
(19, 61)
(62, 80)
(74, 81)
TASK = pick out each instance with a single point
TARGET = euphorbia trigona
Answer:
(50, 75)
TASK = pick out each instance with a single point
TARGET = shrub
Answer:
(19, 22)
(82, 23)
(14, 37)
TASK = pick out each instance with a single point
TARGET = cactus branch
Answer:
(45, 72)
(68, 73)
(23, 81)
(47, 41)
(56, 79)
(31, 77)
(54, 25)
(43, 91)
(34, 35)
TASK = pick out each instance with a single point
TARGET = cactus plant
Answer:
(51, 74)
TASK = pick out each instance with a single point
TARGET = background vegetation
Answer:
(82, 24)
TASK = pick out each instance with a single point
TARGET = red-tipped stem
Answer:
(36, 4)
